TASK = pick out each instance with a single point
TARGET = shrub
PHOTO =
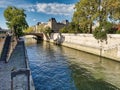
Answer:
(64, 30)
(109, 27)
(118, 31)
(99, 34)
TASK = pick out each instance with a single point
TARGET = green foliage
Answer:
(28, 30)
(64, 30)
(109, 27)
(118, 32)
(40, 28)
(15, 20)
(47, 30)
(100, 34)
(113, 9)
(71, 28)
(88, 11)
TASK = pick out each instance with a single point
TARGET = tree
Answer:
(89, 11)
(71, 28)
(41, 27)
(47, 30)
(86, 13)
(113, 9)
(15, 20)
(64, 30)
(29, 30)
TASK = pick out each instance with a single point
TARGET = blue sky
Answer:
(40, 10)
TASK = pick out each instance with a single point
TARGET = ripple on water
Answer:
(57, 68)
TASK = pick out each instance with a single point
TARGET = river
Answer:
(61, 68)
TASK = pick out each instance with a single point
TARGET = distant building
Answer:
(54, 25)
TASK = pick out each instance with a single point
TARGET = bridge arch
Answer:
(38, 36)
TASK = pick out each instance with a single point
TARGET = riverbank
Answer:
(87, 43)
(17, 61)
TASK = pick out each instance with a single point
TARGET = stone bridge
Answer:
(39, 36)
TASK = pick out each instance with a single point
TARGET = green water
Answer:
(60, 68)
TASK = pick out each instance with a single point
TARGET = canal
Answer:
(61, 68)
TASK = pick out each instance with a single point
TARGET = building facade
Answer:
(54, 25)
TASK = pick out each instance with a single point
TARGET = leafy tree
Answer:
(112, 8)
(109, 27)
(64, 30)
(40, 27)
(29, 30)
(47, 30)
(89, 11)
(100, 34)
(15, 20)
(86, 11)
(71, 28)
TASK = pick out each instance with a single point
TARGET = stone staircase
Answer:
(6, 49)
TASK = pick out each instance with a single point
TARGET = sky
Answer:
(40, 10)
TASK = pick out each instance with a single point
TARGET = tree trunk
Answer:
(90, 27)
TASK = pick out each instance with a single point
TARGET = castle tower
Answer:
(66, 22)
(52, 23)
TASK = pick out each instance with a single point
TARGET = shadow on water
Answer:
(60, 68)
(106, 69)
(84, 81)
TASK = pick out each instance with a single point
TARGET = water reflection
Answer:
(49, 69)
(106, 69)
(61, 68)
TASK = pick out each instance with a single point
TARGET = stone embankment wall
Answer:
(86, 42)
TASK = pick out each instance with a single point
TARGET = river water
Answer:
(61, 68)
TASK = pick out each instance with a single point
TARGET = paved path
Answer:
(17, 61)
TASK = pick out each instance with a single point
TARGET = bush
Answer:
(109, 28)
(47, 30)
(64, 30)
(71, 28)
(118, 31)
(99, 34)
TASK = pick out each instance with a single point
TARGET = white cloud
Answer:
(30, 9)
(34, 19)
(47, 8)
(55, 8)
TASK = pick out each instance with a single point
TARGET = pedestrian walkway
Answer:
(16, 62)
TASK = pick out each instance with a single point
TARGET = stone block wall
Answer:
(87, 43)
